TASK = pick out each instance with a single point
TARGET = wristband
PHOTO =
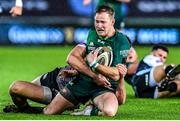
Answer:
(91, 64)
(94, 66)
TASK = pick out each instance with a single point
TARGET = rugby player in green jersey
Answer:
(90, 85)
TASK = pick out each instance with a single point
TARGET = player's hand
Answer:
(92, 56)
(101, 80)
(16, 11)
(132, 56)
(68, 73)
(86, 2)
(122, 70)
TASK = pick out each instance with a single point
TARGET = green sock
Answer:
(94, 111)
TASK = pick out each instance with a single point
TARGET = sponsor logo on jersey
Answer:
(124, 53)
(100, 41)
(91, 44)
(91, 47)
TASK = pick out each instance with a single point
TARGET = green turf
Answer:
(26, 63)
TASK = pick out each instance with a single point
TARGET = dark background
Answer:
(68, 21)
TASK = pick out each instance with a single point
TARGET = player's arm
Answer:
(126, 1)
(17, 9)
(109, 72)
(133, 60)
(121, 92)
(76, 60)
(112, 72)
(68, 73)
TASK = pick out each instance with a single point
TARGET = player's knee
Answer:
(15, 87)
(109, 112)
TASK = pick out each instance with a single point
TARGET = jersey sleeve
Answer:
(122, 48)
(152, 60)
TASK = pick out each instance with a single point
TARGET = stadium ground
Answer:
(26, 63)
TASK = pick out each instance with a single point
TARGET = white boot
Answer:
(85, 112)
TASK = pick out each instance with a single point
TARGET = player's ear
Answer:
(113, 21)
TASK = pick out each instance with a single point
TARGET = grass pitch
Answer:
(26, 63)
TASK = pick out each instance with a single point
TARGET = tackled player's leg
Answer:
(58, 105)
(20, 91)
(63, 100)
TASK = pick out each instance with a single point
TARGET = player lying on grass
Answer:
(153, 78)
(44, 88)
(90, 85)
(17, 9)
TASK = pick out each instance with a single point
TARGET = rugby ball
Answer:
(105, 56)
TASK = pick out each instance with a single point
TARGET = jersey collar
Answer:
(108, 38)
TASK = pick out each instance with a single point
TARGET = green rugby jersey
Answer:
(119, 45)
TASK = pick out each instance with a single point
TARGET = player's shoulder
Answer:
(92, 35)
(152, 60)
(151, 57)
(123, 37)
(92, 30)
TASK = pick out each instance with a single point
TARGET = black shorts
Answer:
(140, 84)
(54, 82)
(49, 80)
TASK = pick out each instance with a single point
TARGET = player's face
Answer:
(103, 24)
(161, 54)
